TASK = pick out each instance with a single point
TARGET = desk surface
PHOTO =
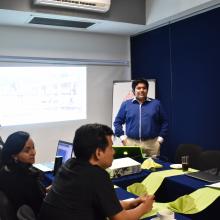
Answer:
(176, 186)
(172, 188)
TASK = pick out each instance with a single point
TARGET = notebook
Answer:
(211, 175)
(133, 152)
(64, 149)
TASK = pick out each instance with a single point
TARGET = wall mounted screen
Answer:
(42, 94)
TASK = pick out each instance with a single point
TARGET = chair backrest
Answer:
(192, 150)
(6, 209)
(1, 141)
(209, 159)
(25, 212)
(1, 146)
(0, 157)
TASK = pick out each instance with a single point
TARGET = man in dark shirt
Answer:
(82, 189)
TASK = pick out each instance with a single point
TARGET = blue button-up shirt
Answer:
(143, 121)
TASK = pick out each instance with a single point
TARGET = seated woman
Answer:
(18, 180)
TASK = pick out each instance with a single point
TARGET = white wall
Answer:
(159, 12)
(16, 41)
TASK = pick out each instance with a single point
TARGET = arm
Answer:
(48, 188)
(164, 123)
(108, 202)
(129, 204)
(145, 205)
(120, 120)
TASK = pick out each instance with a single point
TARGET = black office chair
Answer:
(0, 157)
(25, 212)
(1, 141)
(6, 209)
(1, 146)
(209, 159)
(192, 150)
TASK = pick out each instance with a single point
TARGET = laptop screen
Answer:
(133, 152)
(65, 149)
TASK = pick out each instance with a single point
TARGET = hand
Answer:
(130, 203)
(160, 139)
(48, 188)
(124, 142)
(133, 203)
(147, 202)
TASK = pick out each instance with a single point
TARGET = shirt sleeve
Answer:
(164, 123)
(120, 120)
(106, 197)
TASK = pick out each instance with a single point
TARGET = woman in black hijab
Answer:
(18, 180)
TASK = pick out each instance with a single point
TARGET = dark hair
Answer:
(137, 81)
(13, 145)
(88, 138)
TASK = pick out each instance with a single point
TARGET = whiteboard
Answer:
(122, 91)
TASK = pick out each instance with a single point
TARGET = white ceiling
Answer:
(22, 18)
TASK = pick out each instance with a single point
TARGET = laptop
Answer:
(64, 149)
(133, 152)
(211, 175)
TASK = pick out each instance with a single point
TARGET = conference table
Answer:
(171, 188)
(123, 194)
(176, 186)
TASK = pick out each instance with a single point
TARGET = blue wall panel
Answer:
(184, 58)
(195, 64)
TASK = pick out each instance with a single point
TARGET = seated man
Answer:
(82, 189)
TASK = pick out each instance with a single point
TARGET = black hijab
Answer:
(12, 146)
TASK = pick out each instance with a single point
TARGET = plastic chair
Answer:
(6, 209)
(209, 159)
(192, 150)
(25, 212)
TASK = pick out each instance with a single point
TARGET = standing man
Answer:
(82, 189)
(145, 120)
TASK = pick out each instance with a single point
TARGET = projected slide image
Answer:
(42, 94)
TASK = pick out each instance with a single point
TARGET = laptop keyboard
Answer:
(210, 176)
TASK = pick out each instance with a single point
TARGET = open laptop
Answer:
(64, 149)
(133, 152)
(211, 175)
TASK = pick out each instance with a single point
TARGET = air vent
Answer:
(61, 23)
(90, 5)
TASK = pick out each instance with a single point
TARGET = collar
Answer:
(147, 100)
(19, 167)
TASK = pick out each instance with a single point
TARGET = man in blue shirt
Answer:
(145, 119)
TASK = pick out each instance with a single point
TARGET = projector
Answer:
(123, 166)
